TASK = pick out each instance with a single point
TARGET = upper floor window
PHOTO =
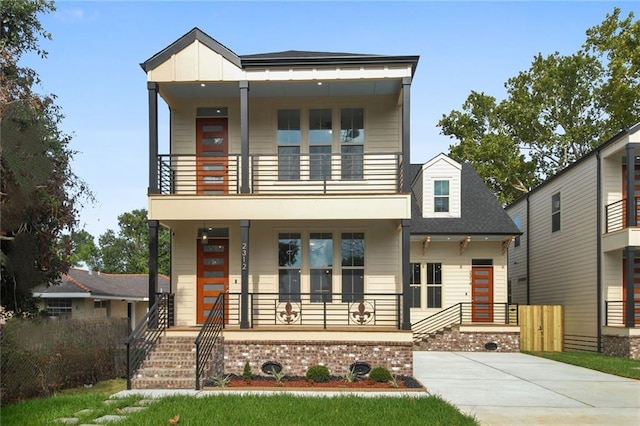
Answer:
(555, 212)
(320, 140)
(441, 196)
(516, 221)
(352, 142)
(289, 137)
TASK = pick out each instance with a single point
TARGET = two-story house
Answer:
(288, 190)
(579, 244)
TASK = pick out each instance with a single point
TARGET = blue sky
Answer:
(94, 56)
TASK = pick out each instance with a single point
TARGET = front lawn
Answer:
(229, 409)
(620, 366)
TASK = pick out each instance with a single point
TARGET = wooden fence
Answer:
(541, 328)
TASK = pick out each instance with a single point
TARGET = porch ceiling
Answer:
(281, 89)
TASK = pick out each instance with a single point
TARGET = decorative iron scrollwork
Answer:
(286, 314)
(362, 312)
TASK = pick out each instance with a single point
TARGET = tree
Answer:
(554, 113)
(83, 250)
(128, 251)
(39, 191)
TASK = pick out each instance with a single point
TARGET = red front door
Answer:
(212, 149)
(482, 294)
(213, 275)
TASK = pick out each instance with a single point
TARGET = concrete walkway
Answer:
(519, 389)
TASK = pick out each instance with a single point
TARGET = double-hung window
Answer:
(441, 196)
(320, 139)
(352, 143)
(321, 266)
(352, 252)
(434, 285)
(289, 137)
(289, 264)
(416, 285)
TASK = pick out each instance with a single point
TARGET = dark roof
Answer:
(106, 285)
(289, 57)
(481, 212)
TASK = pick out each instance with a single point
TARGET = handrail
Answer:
(463, 313)
(616, 215)
(208, 336)
(146, 334)
(614, 312)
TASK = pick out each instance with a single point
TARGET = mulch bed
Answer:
(404, 383)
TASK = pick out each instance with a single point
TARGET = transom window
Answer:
(352, 252)
(434, 285)
(441, 196)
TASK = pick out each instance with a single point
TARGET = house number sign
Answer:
(243, 255)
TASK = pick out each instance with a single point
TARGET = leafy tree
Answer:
(128, 251)
(39, 193)
(554, 113)
(83, 250)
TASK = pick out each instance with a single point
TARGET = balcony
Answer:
(616, 214)
(300, 174)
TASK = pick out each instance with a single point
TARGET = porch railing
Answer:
(463, 313)
(615, 214)
(319, 310)
(281, 174)
(614, 312)
(146, 334)
(208, 336)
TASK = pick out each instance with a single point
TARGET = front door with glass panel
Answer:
(482, 294)
(213, 275)
(212, 149)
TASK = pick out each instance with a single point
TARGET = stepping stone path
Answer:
(109, 418)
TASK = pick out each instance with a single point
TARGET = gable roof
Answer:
(481, 214)
(288, 57)
(84, 284)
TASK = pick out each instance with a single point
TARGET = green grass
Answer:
(620, 366)
(230, 409)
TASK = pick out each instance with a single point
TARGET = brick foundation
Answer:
(297, 356)
(471, 341)
(625, 346)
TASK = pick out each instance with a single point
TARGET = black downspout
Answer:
(599, 248)
(528, 250)
(406, 188)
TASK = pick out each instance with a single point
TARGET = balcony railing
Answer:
(614, 312)
(319, 310)
(281, 174)
(616, 217)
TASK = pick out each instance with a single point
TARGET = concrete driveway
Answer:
(518, 389)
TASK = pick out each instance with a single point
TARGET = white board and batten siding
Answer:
(563, 263)
(440, 168)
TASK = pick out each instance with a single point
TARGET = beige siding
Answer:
(456, 272)
(517, 256)
(563, 263)
(441, 169)
(382, 258)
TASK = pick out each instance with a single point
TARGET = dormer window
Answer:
(441, 196)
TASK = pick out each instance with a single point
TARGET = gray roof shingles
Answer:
(481, 212)
(106, 285)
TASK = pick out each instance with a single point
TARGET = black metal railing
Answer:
(282, 173)
(146, 334)
(465, 313)
(324, 310)
(616, 217)
(614, 312)
(208, 336)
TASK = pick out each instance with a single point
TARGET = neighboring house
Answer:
(89, 294)
(288, 187)
(580, 247)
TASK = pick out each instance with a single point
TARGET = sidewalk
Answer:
(519, 389)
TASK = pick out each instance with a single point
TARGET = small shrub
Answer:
(318, 374)
(247, 375)
(380, 374)
(394, 382)
(278, 375)
(350, 377)
(222, 382)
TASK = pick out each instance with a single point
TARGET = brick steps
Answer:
(171, 365)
